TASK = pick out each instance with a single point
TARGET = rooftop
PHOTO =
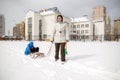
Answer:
(80, 19)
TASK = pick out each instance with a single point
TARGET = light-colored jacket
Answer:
(60, 33)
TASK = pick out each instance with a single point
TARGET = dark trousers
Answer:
(59, 46)
(35, 49)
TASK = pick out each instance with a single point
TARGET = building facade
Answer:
(39, 24)
(99, 30)
(99, 12)
(108, 28)
(100, 15)
(81, 29)
(2, 25)
(19, 30)
(15, 31)
(33, 25)
(116, 29)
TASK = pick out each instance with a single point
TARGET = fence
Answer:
(83, 38)
(11, 39)
(95, 38)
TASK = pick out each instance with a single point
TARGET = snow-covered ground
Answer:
(85, 61)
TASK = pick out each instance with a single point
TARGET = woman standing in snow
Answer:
(60, 37)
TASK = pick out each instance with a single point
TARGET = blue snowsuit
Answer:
(29, 46)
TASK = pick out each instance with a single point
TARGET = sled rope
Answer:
(49, 52)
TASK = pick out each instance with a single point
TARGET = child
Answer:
(30, 49)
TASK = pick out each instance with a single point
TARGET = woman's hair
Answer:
(60, 16)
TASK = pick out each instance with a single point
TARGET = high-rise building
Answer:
(19, 30)
(116, 30)
(100, 14)
(2, 25)
(107, 27)
(15, 31)
(99, 29)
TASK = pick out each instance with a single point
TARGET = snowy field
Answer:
(85, 61)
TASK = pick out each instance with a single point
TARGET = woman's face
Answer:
(59, 19)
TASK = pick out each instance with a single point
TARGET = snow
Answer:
(85, 61)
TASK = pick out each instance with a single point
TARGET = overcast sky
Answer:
(15, 10)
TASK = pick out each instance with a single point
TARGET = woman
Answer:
(60, 37)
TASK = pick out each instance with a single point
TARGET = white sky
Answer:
(15, 10)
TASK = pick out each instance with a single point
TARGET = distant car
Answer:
(5, 36)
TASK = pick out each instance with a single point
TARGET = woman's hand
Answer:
(51, 41)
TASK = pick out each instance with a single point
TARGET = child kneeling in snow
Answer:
(33, 51)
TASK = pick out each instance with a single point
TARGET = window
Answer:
(86, 31)
(78, 32)
(30, 28)
(82, 31)
(74, 26)
(74, 31)
(29, 24)
(86, 37)
(86, 25)
(82, 25)
(82, 37)
(78, 26)
(40, 26)
(29, 20)
(40, 29)
(44, 36)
